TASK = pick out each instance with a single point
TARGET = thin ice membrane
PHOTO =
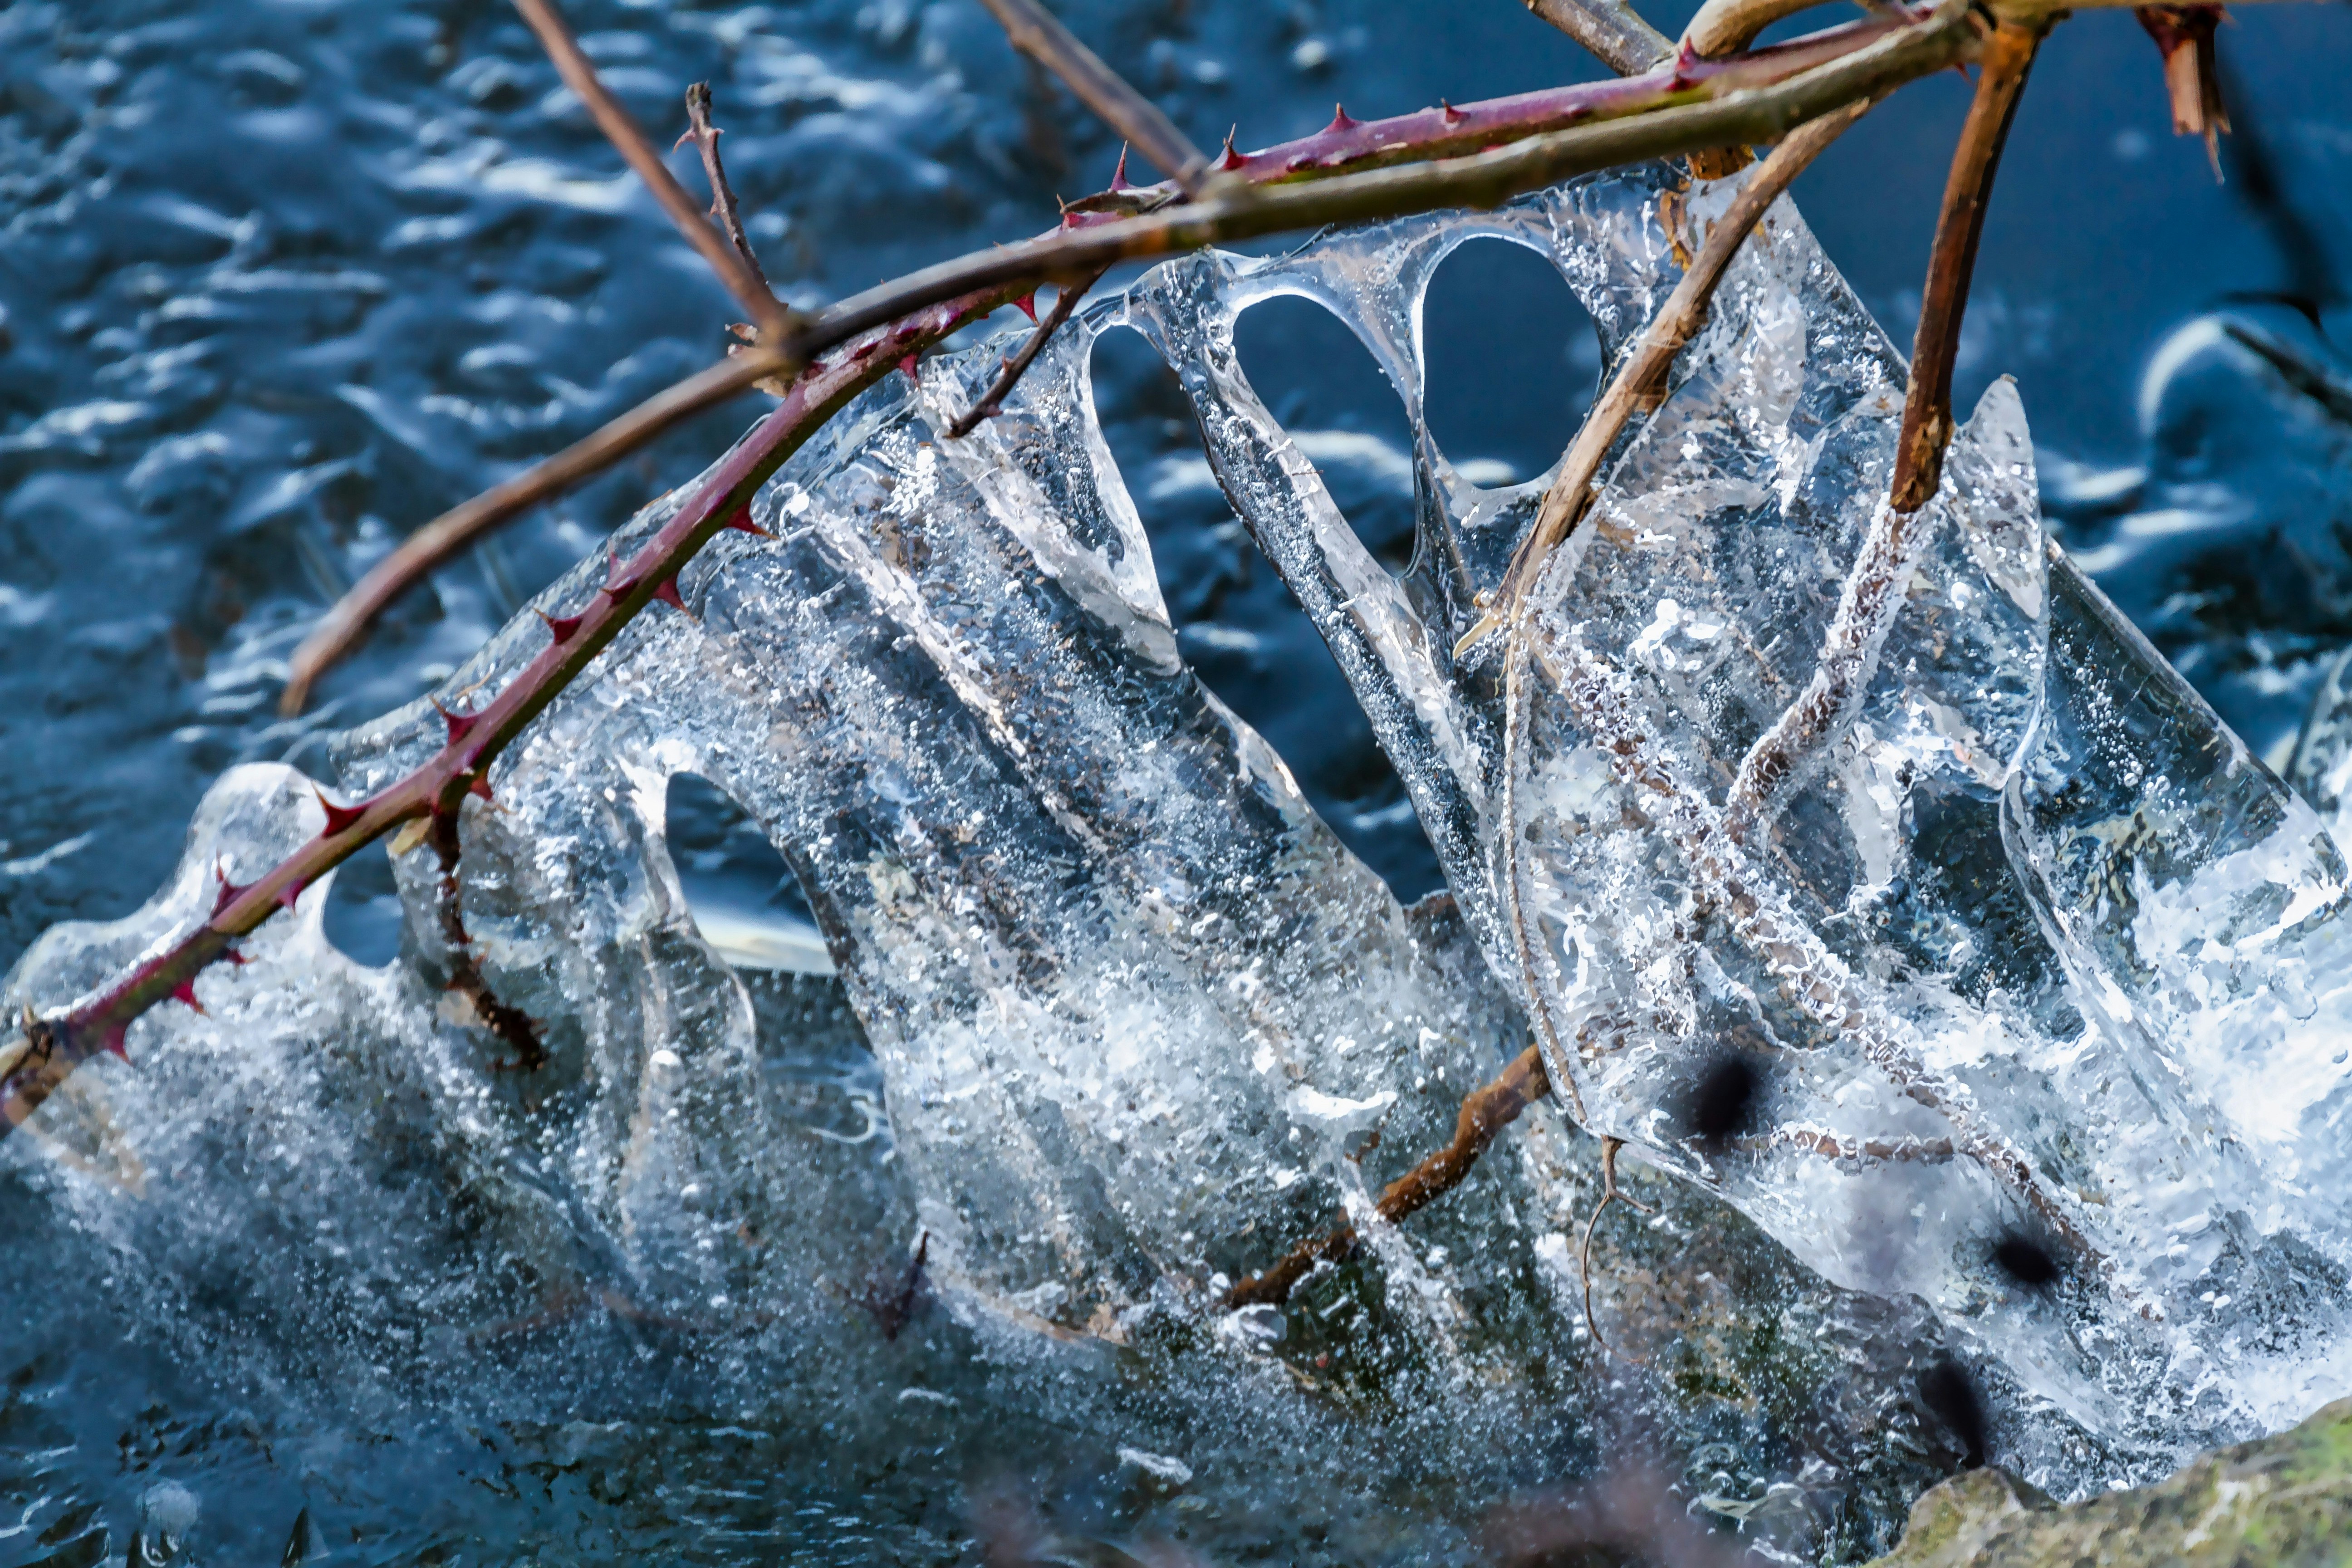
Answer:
(2034, 971)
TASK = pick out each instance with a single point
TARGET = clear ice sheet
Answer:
(1135, 1017)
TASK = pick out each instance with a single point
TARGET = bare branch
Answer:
(1640, 382)
(1035, 33)
(1659, 117)
(342, 626)
(1330, 152)
(992, 402)
(2008, 56)
(580, 77)
(705, 137)
(1485, 1111)
(1612, 29)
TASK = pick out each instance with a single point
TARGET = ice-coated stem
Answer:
(992, 402)
(1353, 145)
(741, 279)
(723, 206)
(1485, 1111)
(1034, 32)
(1612, 29)
(52, 1045)
(2007, 56)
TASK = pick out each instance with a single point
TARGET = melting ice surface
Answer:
(2038, 978)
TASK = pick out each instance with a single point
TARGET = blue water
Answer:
(282, 279)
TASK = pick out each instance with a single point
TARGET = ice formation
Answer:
(2037, 976)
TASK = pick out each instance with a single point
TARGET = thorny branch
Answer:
(723, 206)
(1344, 146)
(1035, 33)
(1485, 1111)
(992, 402)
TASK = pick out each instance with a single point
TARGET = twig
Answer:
(1661, 117)
(1035, 33)
(1612, 29)
(1485, 1111)
(992, 402)
(1640, 382)
(2007, 56)
(580, 76)
(446, 536)
(705, 137)
(1722, 27)
(1357, 145)
(2192, 74)
(52, 1045)
(1609, 1194)
(516, 1029)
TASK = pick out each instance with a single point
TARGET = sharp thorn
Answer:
(1118, 175)
(116, 1040)
(185, 991)
(287, 894)
(460, 724)
(481, 787)
(1339, 121)
(338, 816)
(742, 522)
(1027, 306)
(907, 364)
(667, 593)
(561, 627)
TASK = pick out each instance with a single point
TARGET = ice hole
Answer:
(745, 900)
(1325, 388)
(1512, 361)
(1239, 627)
(363, 916)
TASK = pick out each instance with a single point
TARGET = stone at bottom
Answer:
(2283, 1502)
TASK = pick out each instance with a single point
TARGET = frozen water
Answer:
(2030, 970)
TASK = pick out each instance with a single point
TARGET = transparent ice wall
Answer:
(2015, 953)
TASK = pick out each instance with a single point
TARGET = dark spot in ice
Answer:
(1950, 1395)
(2025, 1260)
(1724, 1102)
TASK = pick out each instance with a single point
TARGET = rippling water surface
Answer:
(282, 279)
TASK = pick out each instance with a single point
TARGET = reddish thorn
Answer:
(1027, 305)
(114, 1037)
(232, 956)
(742, 522)
(907, 364)
(616, 586)
(185, 991)
(1339, 121)
(906, 329)
(229, 892)
(339, 816)
(460, 724)
(864, 349)
(667, 592)
(1453, 116)
(1686, 59)
(481, 787)
(561, 627)
(292, 892)
(1229, 159)
(1118, 175)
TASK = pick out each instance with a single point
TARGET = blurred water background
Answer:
(280, 279)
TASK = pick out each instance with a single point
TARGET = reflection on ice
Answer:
(1986, 1007)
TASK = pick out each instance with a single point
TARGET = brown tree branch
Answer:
(580, 76)
(1035, 33)
(1337, 150)
(1485, 1111)
(1640, 383)
(1612, 29)
(992, 402)
(705, 137)
(339, 630)
(1663, 114)
(2007, 56)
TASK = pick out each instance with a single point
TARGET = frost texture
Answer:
(2034, 972)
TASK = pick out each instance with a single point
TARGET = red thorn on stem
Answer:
(227, 893)
(114, 1037)
(1027, 306)
(287, 894)
(618, 582)
(907, 364)
(667, 592)
(460, 724)
(1686, 59)
(1339, 121)
(1230, 160)
(742, 522)
(1451, 115)
(339, 816)
(1118, 175)
(561, 628)
(481, 787)
(185, 991)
